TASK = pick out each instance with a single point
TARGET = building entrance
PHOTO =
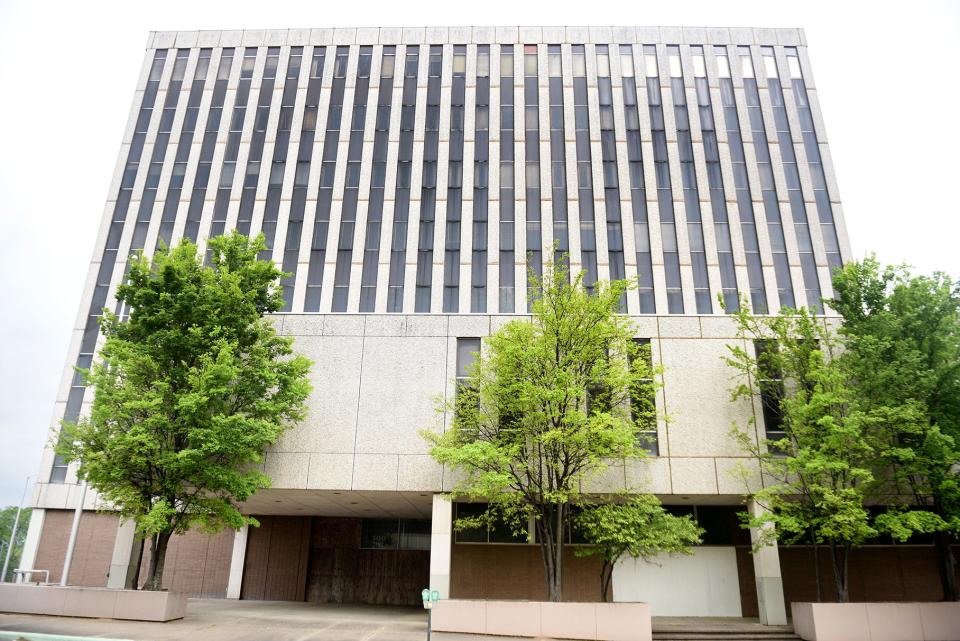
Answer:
(337, 560)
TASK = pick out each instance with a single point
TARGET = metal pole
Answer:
(13, 534)
(73, 534)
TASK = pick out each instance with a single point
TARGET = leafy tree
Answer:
(639, 527)
(825, 461)
(902, 339)
(549, 403)
(190, 389)
(817, 469)
(7, 516)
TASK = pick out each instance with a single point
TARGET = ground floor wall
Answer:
(91, 555)
(876, 573)
(275, 568)
(511, 571)
(322, 560)
(196, 564)
(702, 583)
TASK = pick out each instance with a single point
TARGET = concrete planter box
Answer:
(588, 621)
(877, 621)
(100, 603)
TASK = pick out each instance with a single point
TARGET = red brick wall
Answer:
(197, 564)
(877, 573)
(489, 571)
(92, 553)
(340, 571)
(275, 568)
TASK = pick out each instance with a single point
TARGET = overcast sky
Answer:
(887, 75)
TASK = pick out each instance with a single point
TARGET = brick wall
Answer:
(91, 555)
(490, 571)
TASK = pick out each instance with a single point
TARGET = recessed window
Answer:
(506, 61)
(650, 61)
(459, 59)
(769, 64)
(673, 58)
(483, 63)
(467, 350)
(603, 61)
(746, 62)
(395, 534)
(554, 61)
(626, 61)
(643, 404)
(793, 63)
(496, 532)
(770, 382)
(723, 64)
(579, 62)
(699, 65)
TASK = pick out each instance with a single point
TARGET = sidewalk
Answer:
(228, 620)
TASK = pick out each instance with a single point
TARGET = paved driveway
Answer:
(228, 620)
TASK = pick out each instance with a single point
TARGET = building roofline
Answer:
(793, 36)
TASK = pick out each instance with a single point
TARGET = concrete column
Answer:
(124, 559)
(766, 568)
(236, 562)
(441, 539)
(29, 556)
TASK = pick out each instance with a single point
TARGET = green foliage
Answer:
(190, 390)
(901, 525)
(871, 413)
(546, 407)
(638, 527)
(7, 516)
(818, 476)
(902, 339)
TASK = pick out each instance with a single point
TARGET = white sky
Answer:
(887, 75)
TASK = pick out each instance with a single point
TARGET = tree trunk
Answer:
(606, 574)
(840, 553)
(816, 570)
(158, 553)
(816, 564)
(550, 537)
(555, 590)
(946, 566)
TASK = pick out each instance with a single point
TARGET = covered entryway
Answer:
(348, 548)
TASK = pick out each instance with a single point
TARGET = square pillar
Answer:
(766, 568)
(237, 559)
(127, 548)
(28, 557)
(441, 539)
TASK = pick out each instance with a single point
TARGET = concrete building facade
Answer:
(408, 179)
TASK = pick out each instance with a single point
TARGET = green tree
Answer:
(189, 391)
(817, 469)
(902, 338)
(7, 516)
(829, 456)
(549, 403)
(637, 527)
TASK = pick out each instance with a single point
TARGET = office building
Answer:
(408, 179)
